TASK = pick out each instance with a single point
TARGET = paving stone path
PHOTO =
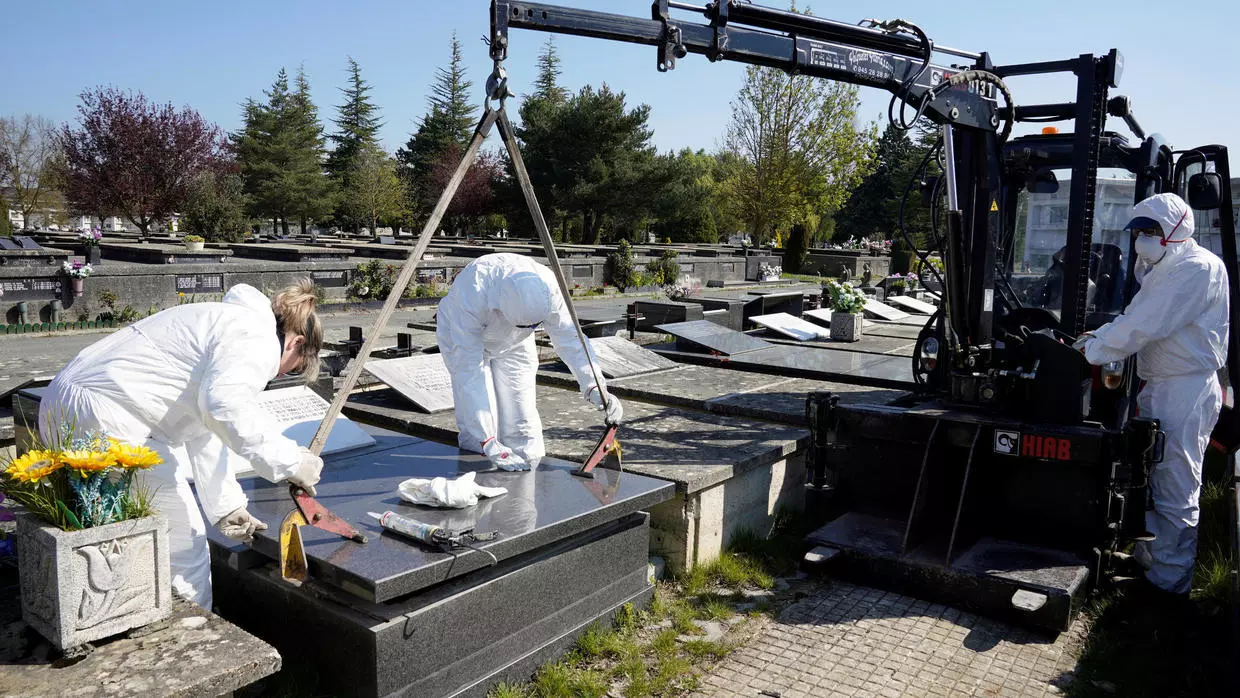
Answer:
(847, 640)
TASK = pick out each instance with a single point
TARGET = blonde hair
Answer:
(294, 310)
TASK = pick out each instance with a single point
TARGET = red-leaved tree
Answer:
(132, 157)
(475, 198)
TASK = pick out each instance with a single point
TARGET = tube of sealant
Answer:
(431, 535)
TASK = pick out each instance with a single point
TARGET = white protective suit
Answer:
(493, 362)
(184, 382)
(1177, 326)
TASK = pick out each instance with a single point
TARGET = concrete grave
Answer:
(790, 326)
(881, 311)
(401, 618)
(822, 316)
(619, 358)
(422, 378)
(711, 337)
(912, 305)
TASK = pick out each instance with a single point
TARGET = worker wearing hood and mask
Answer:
(185, 382)
(1177, 326)
(485, 329)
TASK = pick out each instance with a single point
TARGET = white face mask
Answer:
(1150, 249)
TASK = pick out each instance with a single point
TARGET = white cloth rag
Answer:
(457, 493)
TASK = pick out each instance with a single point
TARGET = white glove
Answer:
(1080, 342)
(615, 411)
(306, 475)
(442, 492)
(502, 457)
(240, 525)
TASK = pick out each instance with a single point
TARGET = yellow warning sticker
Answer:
(994, 206)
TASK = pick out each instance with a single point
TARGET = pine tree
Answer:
(547, 84)
(358, 123)
(450, 97)
(310, 192)
(447, 127)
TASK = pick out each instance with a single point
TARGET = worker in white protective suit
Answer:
(485, 330)
(185, 382)
(1177, 326)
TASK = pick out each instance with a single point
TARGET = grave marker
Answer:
(330, 279)
(620, 358)
(200, 283)
(791, 326)
(715, 338)
(883, 311)
(913, 305)
(422, 378)
(823, 317)
(298, 411)
(31, 289)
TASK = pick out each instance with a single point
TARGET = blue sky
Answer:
(212, 56)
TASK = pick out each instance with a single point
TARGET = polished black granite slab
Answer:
(810, 362)
(541, 507)
(711, 337)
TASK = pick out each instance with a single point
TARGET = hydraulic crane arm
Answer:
(892, 56)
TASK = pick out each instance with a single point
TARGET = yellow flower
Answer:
(129, 456)
(33, 466)
(86, 462)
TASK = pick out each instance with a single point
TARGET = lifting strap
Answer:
(489, 119)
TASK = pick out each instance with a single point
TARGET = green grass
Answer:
(1167, 648)
(634, 656)
(811, 278)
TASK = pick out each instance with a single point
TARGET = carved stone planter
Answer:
(80, 586)
(846, 327)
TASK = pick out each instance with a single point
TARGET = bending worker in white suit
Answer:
(485, 330)
(1177, 326)
(185, 383)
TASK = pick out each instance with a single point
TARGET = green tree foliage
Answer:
(6, 226)
(874, 206)
(446, 128)
(357, 123)
(280, 150)
(375, 192)
(799, 150)
(620, 267)
(547, 84)
(795, 249)
(664, 270)
(685, 208)
(591, 158)
(216, 207)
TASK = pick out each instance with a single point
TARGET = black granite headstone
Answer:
(713, 338)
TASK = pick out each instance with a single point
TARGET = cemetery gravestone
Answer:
(387, 240)
(883, 311)
(620, 358)
(422, 378)
(790, 326)
(298, 412)
(714, 338)
(912, 305)
(822, 316)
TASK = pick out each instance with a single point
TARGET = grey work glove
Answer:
(240, 525)
(502, 457)
(615, 411)
(306, 475)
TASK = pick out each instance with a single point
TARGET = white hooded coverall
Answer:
(493, 362)
(184, 382)
(1177, 326)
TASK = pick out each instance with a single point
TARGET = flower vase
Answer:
(79, 285)
(81, 586)
(846, 327)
